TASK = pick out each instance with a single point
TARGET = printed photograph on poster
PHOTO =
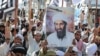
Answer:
(60, 27)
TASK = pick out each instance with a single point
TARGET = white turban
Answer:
(60, 16)
(20, 36)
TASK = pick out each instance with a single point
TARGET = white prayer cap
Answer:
(59, 53)
(60, 16)
(20, 36)
(37, 32)
(91, 49)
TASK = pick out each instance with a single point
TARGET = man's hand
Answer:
(68, 53)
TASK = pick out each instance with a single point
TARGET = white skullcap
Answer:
(60, 16)
(59, 53)
(20, 36)
(38, 32)
(91, 49)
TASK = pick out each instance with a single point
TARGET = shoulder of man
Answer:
(52, 35)
(70, 34)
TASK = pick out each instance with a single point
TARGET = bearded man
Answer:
(61, 37)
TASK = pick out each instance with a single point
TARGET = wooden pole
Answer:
(62, 3)
(30, 8)
(15, 15)
(30, 14)
(96, 7)
(96, 12)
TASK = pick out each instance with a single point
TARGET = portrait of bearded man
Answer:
(61, 37)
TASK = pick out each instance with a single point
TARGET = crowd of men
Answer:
(18, 40)
(28, 38)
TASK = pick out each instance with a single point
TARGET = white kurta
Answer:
(33, 45)
(56, 42)
(4, 48)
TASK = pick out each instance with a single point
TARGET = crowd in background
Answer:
(30, 40)
(27, 38)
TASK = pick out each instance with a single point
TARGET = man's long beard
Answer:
(61, 34)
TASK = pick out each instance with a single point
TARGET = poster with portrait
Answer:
(60, 26)
(68, 12)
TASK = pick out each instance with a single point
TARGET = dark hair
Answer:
(38, 24)
(33, 29)
(14, 29)
(25, 33)
(77, 31)
(2, 25)
(2, 38)
(26, 25)
(18, 48)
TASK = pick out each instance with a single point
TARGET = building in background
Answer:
(94, 7)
